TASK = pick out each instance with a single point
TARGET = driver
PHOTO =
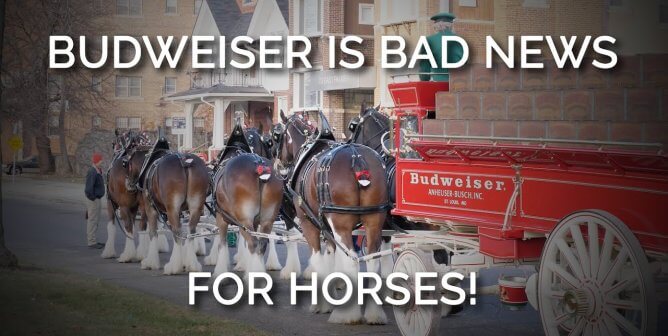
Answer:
(443, 23)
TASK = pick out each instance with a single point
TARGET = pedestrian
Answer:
(94, 193)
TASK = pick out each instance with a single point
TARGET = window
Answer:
(311, 18)
(198, 122)
(197, 6)
(96, 84)
(97, 6)
(353, 99)
(170, 6)
(663, 12)
(303, 94)
(169, 122)
(128, 86)
(128, 122)
(468, 3)
(366, 14)
(616, 3)
(393, 11)
(96, 122)
(170, 85)
(122, 122)
(134, 123)
(129, 7)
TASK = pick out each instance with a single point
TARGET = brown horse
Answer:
(334, 187)
(248, 194)
(126, 201)
(171, 183)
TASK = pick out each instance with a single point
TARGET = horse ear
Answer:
(362, 108)
(283, 117)
(261, 128)
(378, 107)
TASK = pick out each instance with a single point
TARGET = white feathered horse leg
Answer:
(272, 257)
(175, 264)
(200, 243)
(351, 312)
(212, 258)
(152, 260)
(190, 261)
(163, 243)
(373, 312)
(219, 250)
(110, 247)
(292, 263)
(130, 251)
(142, 248)
(242, 254)
(386, 262)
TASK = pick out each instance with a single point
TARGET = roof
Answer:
(220, 90)
(229, 19)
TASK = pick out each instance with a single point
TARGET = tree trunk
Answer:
(43, 148)
(67, 166)
(7, 258)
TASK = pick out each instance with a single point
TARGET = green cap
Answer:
(444, 16)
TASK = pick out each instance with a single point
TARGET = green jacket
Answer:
(455, 53)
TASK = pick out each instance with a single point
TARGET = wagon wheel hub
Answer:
(579, 302)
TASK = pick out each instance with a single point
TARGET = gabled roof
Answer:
(229, 19)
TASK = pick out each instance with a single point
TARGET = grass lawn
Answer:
(44, 302)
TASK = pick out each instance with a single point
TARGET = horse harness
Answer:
(152, 169)
(321, 162)
(237, 146)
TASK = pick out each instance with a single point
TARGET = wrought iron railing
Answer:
(228, 77)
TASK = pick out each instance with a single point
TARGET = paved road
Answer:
(44, 223)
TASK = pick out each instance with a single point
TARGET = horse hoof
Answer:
(108, 253)
(286, 273)
(126, 259)
(171, 269)
(347, 315)
(145, 265)
(375, 315)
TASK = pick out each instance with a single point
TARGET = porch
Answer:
(255, 102)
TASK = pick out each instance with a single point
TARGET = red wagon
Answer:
(590, 215)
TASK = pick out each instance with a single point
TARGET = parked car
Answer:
(29, 163)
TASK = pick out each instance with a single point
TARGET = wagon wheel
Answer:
(412, 319)
(594, 279)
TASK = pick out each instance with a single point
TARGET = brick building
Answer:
(627, 103)
(135, 97)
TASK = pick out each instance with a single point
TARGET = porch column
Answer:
(188, 135)
(220, 105)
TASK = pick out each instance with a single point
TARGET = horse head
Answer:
(133, 162)
(259, 143)
(368, 128)
(289, 137)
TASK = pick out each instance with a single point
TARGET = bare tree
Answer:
(37, 96)
(7, 258)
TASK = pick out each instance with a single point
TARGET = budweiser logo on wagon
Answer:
(454, 189)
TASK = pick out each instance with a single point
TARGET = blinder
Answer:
(277, 131)
(353, 124)
(267, 140)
